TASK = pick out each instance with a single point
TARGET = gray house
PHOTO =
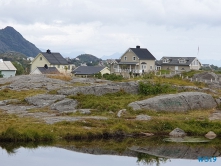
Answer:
(85, 71)
(178, 63)
(7, 69)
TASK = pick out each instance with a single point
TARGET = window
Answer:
(165, 61)
(68, 67)
(40, 58)
(125, 58)
(134, 58)
(151, 67)
(182, 69)
(182, 61)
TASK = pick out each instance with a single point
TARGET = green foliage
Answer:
(163, 72)
(19, 67)
(113, 77)
(1, 74)
(98, 75)
(147, 159)
(148, 88)
(149, 75)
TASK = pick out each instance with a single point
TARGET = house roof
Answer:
(6, 65)
(54, 58)
(143, 53)
(174, 61)
(87, 70)
(49, 70)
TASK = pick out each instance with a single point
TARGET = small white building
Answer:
(7, 69)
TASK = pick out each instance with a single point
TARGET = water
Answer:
(109, 153)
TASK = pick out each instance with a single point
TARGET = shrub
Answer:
(148, 88)
(113, 77)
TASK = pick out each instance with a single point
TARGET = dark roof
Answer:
(54, 58)
(87, 70)
(128, 63)
(143, 53)
(174, 61)
(49, 70)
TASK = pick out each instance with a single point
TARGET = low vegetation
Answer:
(6, 94)
(60, 77)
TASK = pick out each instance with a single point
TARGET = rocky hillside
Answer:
(11, 40)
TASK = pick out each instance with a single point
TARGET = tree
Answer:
(1, 74)
(19, 67)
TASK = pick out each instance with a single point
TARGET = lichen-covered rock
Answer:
(43, 100)
(65, 105)
(129, 87)
(177, 102)
(177, 132)
(121, 112)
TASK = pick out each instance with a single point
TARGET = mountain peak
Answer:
(12, 40)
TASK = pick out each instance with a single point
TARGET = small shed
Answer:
(7, 69)
(45, 70)
(90, 70)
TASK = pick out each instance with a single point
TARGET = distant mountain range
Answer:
(11, 40)
(116, 55)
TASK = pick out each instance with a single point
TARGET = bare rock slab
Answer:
(177, 132)
(177, 102)
(143, 117)
(43, 100)
(65, 105)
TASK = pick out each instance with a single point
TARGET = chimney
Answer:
(46, 66)
(138, 47)
(48, 51)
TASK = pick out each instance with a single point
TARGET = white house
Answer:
(7, 69)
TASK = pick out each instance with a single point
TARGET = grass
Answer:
(60, 77)
(108, 102)
(6, 94)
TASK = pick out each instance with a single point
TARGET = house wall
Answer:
(172, 68)
(36, 71)
(129, 55)
(39, 63)
(8, 73)
(195, 65)
(104, 71)
(149, 63)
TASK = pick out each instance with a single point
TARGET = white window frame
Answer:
(125, 58)
(134, 58)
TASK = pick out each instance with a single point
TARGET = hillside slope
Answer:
(11, 40)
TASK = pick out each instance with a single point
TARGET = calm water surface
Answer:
(73, 155)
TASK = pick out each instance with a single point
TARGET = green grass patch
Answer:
(6, 94)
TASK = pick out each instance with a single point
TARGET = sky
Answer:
(104, 27)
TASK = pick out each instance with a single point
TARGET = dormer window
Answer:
(182, 61)
(165, 60)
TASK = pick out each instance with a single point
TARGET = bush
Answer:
(148, 88)
(113, 77)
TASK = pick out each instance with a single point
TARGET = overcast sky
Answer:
(103, 27)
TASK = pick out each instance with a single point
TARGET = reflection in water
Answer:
(149, 151)
(147, 159)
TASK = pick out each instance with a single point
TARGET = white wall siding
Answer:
(7, 74)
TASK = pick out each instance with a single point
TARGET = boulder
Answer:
(43, 100)
(66, 105)
(210, 135)
(143, 117)
(177, 132)
(177, 102)
(121, 112)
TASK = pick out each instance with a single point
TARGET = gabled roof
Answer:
(49, 70)
(87, 70)
(175, 61)
(54, 58)
(7, 65)
(143, 53)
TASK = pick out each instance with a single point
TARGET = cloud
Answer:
(165, 27)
